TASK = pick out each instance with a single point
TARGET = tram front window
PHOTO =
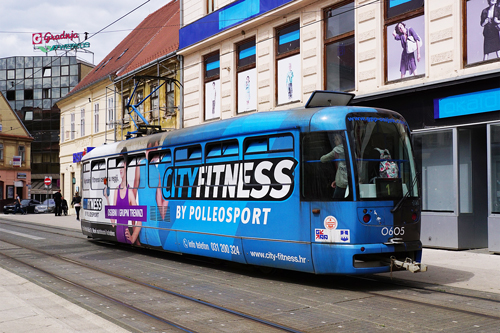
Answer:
(383, 156)
(325, 169)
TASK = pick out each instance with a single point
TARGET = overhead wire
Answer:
(56, 57)
(257, 42)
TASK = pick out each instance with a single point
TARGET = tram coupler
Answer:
(408, 264)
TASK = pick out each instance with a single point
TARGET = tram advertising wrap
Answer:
(283, 189)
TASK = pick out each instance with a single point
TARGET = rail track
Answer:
(142, 291)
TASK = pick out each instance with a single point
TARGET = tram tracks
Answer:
(368, 303)
(199, 308)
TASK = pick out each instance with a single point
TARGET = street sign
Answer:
(47, 181)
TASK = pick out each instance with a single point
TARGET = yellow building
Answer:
(15, 152)
(95, 112)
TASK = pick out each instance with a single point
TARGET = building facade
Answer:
(95, 112)
(15, 148)
(31, 86)
(435, 62)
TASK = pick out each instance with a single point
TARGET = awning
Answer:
(38, 187)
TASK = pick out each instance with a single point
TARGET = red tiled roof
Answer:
(164, 42)
(155, 36)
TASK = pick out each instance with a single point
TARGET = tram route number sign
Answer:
(47, 181)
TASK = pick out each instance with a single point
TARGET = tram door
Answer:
(325, 183)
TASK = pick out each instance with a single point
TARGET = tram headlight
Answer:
(366, 218)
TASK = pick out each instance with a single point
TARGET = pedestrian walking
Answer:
(58, 200)
(18, 206)
(76, 202)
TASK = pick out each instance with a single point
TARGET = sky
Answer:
(22, 18)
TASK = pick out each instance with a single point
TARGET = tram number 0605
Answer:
(397, 231)
(224, 248)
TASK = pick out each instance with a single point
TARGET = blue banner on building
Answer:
(225, 18)
(77, 157)
(465, 104)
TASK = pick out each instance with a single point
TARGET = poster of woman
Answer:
(405, 49)
(212, 100)
(289, 79)
(247, 90)
(483, 30)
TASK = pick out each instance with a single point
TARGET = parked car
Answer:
(47, 206)
(28, 206)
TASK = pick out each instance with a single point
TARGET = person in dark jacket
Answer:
(76, 202)
(58, 200)
(64, 206)
(18, 206)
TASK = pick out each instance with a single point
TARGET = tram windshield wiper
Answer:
(407, 194)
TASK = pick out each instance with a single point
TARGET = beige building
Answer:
(435, 62)
(95, 112)
(15, 152)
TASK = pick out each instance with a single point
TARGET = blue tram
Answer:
(320, 189)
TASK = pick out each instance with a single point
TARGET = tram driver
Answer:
(340, 183)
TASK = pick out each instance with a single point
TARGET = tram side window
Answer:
(115, 167)
(158, 163)
(188, 154)
(98, 174)
(325, 169)
(221, 149)
(86, 176)
(261, 155)
(275, 143)
(136, 171)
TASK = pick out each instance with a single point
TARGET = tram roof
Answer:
(303, 119)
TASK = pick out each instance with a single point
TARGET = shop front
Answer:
(456, 137)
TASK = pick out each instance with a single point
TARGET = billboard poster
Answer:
(247, 90)
(405, 49)
(289, 79)
(483, 34)
(212, 100)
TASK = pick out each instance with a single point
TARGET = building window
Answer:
(11, 95)
(62, 129)
(212, 85)
(47, 72)
(125, 114)
(495, 168)
(405, 31)
(22, 153)
(111, 113)
(1, 151)
(28, 94)
(480, 31)
(170, 89)
(339, 47)
(210, 6)
(247, 76)
(96, 117)
(28, 115)
(436, 151)
(72, 126)
(82, 122)
(139, 96)
(288, 80)
(154, 104)
(46, 93)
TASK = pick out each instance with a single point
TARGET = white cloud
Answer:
(22, 18)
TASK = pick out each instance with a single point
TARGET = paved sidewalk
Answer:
(26, 307)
